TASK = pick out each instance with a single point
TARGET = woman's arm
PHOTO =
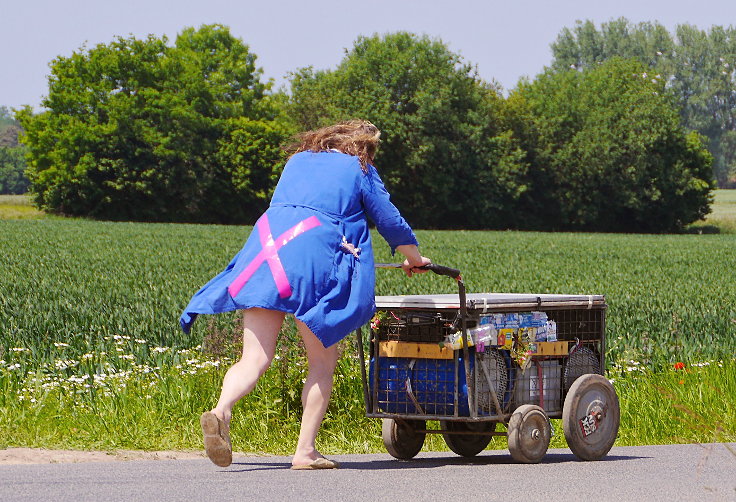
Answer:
(413, 259)
(390, 223)
(379, 208)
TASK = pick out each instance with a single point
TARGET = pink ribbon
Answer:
(270, 254)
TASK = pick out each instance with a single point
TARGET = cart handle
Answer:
(437, 269)
(455, 274)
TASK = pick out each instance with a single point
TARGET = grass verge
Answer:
(18, 207)
(158, 409)
(722, 219)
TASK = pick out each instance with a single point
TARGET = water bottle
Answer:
(485, 334)
(454, 341)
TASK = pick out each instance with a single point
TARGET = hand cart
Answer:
(473, 361)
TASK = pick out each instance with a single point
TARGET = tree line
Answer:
(698, 68)
(12, 156)
(148, 130)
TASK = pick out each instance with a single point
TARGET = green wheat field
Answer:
(92, 357)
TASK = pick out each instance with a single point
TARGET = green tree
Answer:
(250, 153)
(133, 128)
(607, 152)
(12, 156)
(9, 136)
(703, 79)
(585, 46)
(12, 166)
(697, 67)
(445, 155)
(9, 128)
(6, 117)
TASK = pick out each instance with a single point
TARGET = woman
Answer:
(309, 255)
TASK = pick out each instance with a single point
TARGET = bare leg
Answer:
(261, 330)
(315, 395)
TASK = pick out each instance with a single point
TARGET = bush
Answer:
(607, 153)
(133, 128)
(444, 155)
(12, 166)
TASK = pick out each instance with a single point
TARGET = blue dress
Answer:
(310, 253)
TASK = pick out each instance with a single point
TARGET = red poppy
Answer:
(679, 366)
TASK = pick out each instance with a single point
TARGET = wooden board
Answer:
(550, 348)
(434, 351)
(414, 350)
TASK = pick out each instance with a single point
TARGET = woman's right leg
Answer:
(315, 395)
(260, 332)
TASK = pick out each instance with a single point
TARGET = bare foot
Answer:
(305, 457)
(320, 463)
(222, 415)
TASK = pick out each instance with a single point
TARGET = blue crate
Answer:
(432, 383)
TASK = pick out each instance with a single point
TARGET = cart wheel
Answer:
(529, 432)
(467, 445)
(401, 438)
(590, 417)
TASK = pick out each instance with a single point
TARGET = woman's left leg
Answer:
(260, 332)
(315, 395)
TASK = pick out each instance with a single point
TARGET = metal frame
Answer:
(580, 319)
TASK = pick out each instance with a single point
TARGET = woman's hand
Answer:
(414, 268)
(413, 261)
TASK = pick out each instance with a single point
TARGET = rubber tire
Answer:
(525, 445)
(466, 446)
(583, 394)
(401, 438)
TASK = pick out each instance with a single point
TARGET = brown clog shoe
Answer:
(216, 439)
(320, 463)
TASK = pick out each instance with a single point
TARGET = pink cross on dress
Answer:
(270, 254)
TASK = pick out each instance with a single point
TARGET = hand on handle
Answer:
(418, 267)
(414, 261)
(453, 273)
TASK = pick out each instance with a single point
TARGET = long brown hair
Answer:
(353, 137)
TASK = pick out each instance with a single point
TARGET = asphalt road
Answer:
(652, 473)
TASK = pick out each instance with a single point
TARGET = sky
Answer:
(505, 40)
